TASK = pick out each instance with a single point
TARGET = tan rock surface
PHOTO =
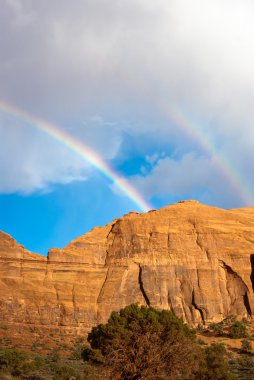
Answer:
(193, 259)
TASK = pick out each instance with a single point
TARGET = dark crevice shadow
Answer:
(247, 303)
(141, 286)
(197, 308)
(252, 270)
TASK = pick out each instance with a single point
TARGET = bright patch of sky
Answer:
(112, 74)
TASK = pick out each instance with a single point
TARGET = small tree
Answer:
(215, 365)
(238, 330)
(217, 328)
(246, 346)
(144, 343)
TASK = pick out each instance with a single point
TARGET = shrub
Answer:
(229, 320)
(144, 343)
(246, 346)
(65, 373)
(217, 328)
(238, 330)
(17, 362)
(214, 365)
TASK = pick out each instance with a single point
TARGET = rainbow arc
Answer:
(81, 150)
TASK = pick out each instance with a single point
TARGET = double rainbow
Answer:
(85, 152)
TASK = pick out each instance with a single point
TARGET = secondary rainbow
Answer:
(82, 150)
(237, 183)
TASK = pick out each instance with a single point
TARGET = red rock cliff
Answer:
(193, 259)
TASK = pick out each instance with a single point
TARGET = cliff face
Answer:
(193, 259)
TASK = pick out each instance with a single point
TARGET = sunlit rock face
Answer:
(193, 259)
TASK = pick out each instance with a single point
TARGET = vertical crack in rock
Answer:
(197, 308)
(112, 227)
(57, 294)
(100, 293)
(247, 303)
(73, 297)
(21, 271)
(197, 234)
(46, 272)
(170, 302)
(141, 286)
(111, 232)
(252, 271)
(233, 276)
(74, 302)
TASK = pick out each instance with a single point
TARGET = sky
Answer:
(112, 106)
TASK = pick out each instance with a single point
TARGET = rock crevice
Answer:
(141, 286)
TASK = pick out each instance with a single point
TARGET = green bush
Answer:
(214, 364)
(217, 328)
(243, 367)
(65, 373)
(144, 343)
(229, 320)
(15, 361)
(238, 330)
(246, 346)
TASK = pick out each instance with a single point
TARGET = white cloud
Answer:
(188, 177)
(129, 62)
(30, 160)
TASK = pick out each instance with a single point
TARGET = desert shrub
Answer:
(141, 343)
(15, 361)
(54, 355)
(144, 343)
(214, 364)
(217, 328)
(245, 321)
(238, 330)
(65, 372)
(77, 350)
(246, 346)
(92, 355)
(229, 320)
(243, 367)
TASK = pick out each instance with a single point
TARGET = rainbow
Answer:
(174, 114)
(81, 150)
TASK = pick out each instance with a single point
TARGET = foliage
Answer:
(229, 320)
(64, 372)
(16, 361)
(144, 343)
(15, 364)
(54, 355)
(246, 346)
(214, 365)
(77, 350)
(245, 321)
(93, 355)
(217, 328)
(243, 367)
(238, 330)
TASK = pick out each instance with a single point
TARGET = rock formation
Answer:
(193, 259)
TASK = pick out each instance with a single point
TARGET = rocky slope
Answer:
(193, 259)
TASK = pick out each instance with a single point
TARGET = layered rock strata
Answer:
(193, 259)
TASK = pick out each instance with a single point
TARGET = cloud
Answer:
(189, 177)
(30, 160)
(131, 62)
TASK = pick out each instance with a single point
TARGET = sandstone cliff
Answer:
(193, 259)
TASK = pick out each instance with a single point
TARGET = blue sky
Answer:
(111, 74)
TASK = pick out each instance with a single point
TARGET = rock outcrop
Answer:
(193, 259)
